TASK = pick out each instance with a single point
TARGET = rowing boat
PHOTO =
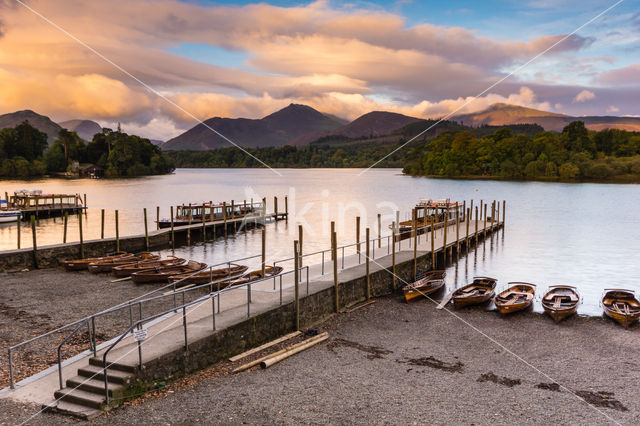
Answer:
(621, 305)
(430, 283)
(256, 275)
(207, 276)
(145, 265)
(82, 264)
(162, 274)
(107, 265)
(479, 291)
(561, 301)
(517, 297)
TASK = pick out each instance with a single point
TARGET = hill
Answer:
(280, 128)
(84, 128)
(40, 122)
(502, 114)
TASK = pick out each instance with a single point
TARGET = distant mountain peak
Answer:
(40, 122)
(86, 129)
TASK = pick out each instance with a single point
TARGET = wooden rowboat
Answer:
(162, 274)
(207, 276)
(517, 297)
(256, 275)
(561, 301)
(107, 265)
(83, 264)
(479, 291)
(430, 283)
(145, 265)
(621, 305)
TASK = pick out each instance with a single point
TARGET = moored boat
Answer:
(145, 265)
(256, 275)
(8, 216)
(162, 274)
(561, 301)
(621, 305)
(107, 265)
(517, 297)
(83, 264)
(429, 284)
(479, 291)
(206, 276)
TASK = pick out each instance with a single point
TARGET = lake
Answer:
(587, 235)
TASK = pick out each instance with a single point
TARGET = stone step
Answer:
(113, 376)
(80, 397)
(96, 386)
(75, 410)
(98, 362)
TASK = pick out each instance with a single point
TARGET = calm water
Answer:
(581, 234)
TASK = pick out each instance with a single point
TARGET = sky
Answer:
(159, 66)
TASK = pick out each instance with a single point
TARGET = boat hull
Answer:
(421, 291)
(461, 302)
(560, 314)
(624, 320)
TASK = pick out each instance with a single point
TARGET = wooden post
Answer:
(18, 224)
(233, 214)
(481, 203)
(81, 239)
(504, 210)
(173, 238)
(85, 202)
(414, 232)
(189, 227)
(333, 230)
(393, 252)
(37, 202)
(444, 243)
(286, 209)
(300, 243)
(224, 217)
(204, 225)
(334, 252)
(296, 274)
(66, 221)
(379, 230)
(433, 246)
(457, 230)
(476, 233)
(146, 230)
(102, 224)
(484, 229)
(35, 244)
(367, 264)
(275, 206)
(264, 250)
(157, 217)
(358, 234)
(264, 211)
(467, 217)
(497, 213)
(117, 233)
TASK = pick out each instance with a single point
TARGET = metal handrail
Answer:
(183, 307)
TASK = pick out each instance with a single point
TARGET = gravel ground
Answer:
(390, 363)
(35, 302)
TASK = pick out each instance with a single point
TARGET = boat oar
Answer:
(445, 300)
(121, 279)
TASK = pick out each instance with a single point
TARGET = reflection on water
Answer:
(581, 234)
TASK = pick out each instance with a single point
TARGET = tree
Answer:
(568, 171)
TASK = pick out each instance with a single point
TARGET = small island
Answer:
(24, 154)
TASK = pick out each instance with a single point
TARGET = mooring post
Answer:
(102, 224)
(264, 211)
(146, 229)
(481, 203)
(334, 252)
(37, 202)
(333, 229)
(484, 229)
(433, 245)
(275, 207)
(415, 243)
(504, 210)
(18, 226)
(173, 238)
(64, 234)
(358, 236)
(367, 264)
(467, 220)
(296, 273)
(457, 229)
(117, 233)
(379, 230)
(264, 250)
(233, 214)
(85, 202)
(286, 209)
(224, 217)
(189, 227)
(393, 252)
(444, 243)
(35, 244)
(300, 244)
(476, 233)
(157, 217)
(204, 224)
(81, 239)
(497, 213)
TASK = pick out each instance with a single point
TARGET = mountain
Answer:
(40, 122)
(156, 142)
(503, 114)
(84, 128)
(283, 127)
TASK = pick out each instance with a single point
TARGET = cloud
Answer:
(613, 109)
(627, 76)
(585, 95)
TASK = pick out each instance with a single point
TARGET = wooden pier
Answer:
(45, 205)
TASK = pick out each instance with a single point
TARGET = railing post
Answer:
(433, 243)
(81, 239)
(393, 252)
(379, 230)
(300, 236)
(264, 251)
(157, 217)
(35, 244)
(184, 325)
(117, 233)
(173, 237)
(367, 264)
(358, 237)
(286, 209)
(64, 234)
(102, 224)
(333, 229)
(11, 381)
(296, 275)
(334, 251)
(146, 230)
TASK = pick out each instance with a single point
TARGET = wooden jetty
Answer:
(35, 203)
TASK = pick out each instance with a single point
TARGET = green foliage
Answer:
(574, 154)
